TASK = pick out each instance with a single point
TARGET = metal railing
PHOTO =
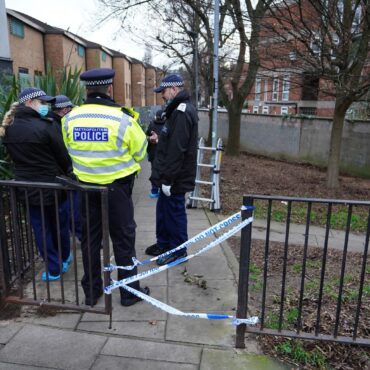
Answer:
(20, 263)
(308, 290)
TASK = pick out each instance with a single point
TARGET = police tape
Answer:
(144, 274)
(203, 235)
(174, 311)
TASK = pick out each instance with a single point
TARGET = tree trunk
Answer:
(233, 142)
(332, 175)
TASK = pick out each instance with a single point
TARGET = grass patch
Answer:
(296, 351)
(318, 216)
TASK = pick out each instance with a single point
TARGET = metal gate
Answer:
(20, 263)
(318, 289)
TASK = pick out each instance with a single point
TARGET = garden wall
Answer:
(298, 139)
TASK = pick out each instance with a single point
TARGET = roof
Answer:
(48, 29)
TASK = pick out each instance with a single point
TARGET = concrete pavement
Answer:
(142, 336)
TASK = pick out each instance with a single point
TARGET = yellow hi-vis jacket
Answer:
(104, 143)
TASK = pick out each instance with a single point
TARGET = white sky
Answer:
(78, 17)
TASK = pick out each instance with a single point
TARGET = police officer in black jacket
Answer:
(36, 146)
(154, 126)
(174, 168)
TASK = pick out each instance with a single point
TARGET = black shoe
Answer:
(134, 299)
(171, 257)
(154, 250)
(94, 301)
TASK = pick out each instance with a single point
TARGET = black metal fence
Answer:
(316, 289)
(20, 262)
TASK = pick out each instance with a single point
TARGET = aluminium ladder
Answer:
(214, 200)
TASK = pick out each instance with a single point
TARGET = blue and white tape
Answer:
(121, 283)
(203, 235)
(174, 311)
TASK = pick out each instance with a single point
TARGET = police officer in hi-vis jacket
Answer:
(106, 145)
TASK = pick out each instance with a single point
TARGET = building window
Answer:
(103, 56)
(310, 111)
(37, 77)
(284, 109)
(265, 109)
(275, 89)
(257, 89)
(286, 87)
(355, 14)
(17, 28)
(80, 51)
(23, 78)
(316, 44)
(255, 108)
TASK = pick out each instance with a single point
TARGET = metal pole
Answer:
(196, 72)
(215, 73)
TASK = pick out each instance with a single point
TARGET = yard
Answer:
(249, 174)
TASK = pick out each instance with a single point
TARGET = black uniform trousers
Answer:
(122, 232)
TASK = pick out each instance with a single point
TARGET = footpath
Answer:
(142, 336)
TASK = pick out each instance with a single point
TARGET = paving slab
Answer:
(8, 366)
(200, 331)
(151, 329)
(8, 329)
(138, 312)
(41, 346)
(60, 320)
(219, 296)
(111, 362)
(148, 350)
(210, 268)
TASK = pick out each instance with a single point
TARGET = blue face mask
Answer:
(43, 110)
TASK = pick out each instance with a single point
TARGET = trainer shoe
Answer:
(67, 263)
(154, 250)
(134, 299)
(154, 195)
(172, 257)
(49, 277)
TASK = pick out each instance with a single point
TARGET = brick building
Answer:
(289, 80)
(138, 83)
(34, 45)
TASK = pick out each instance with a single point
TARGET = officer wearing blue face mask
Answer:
(36, 147)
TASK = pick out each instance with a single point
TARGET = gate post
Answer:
(4, 258)
(245, 248)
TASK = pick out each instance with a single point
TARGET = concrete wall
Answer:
(298, 139)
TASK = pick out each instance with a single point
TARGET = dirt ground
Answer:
(250, 174)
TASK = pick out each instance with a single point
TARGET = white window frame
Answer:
(316, 44)
(356, 17)
(285, 88)
(275, 89)
(255, 109)
(284, 109)
(265, 109)
(23, 78)
(257, 90)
